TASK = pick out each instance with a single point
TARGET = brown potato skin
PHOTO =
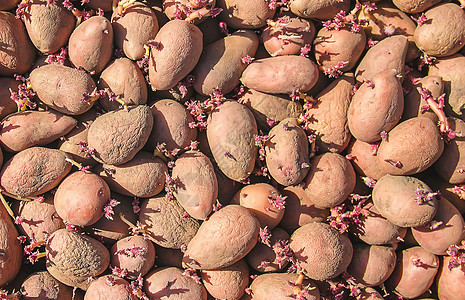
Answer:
(245, 14)
(321, 251)
(208, 250)
(25, 129)
(7, 106)
(271, 75)
(318, 9)
(17, 54)
(231, 128)
(90, 45)
(376, 109)
(100, 288)
(80, 198)
(277, 284)
(415, 6)
(220, 65)
(444, 33)
(49, 25)
(61, 88)
(34, 171)
(415, 143)
(227, 283)
(134, 29)
(73, 257)
(12, 254)
(42, 285)
(118, 135)
(181, 49)
(450, 282)
(8, 4)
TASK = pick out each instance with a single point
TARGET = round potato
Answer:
(227, 283)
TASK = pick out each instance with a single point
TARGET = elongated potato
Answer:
(10, 260)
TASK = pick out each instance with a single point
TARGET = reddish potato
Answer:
(109, 286)
(364, 159)
(277, 284)
(451, 282)
(42, 285)
(227, 283)
(318, 9)
(191, 11)
(7, 106)
(245, 14)
(414, 103)
(10, 260)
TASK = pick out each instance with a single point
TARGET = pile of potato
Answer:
(228, 149)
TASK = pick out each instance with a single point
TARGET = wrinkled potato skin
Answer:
(17, 53)
(165, 222)
(208, 250)
(25, 129)
(34, 171)
(61, 88)
(220, 65)
(101, 288)
(73, 257)
(413, 101)
(419, 134)
(42, 285)
(414, 6)
(11, 249)
(118, 135)
(49, 26)
(444, 33)
(7, 106)
(451, 282)
(240, 14)
(271, 75)
(91, 44)
(318, 9)
(228, 283)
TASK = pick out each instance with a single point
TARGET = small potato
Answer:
(245, 14)
(143, 176)
(195, 184)
(271, 75)
(364, 159)
(11, 249)
(330, 180)
(118, 135)
(109, 286)
(209, 250)
(264, 201)
(287, 152)
(277, 284)
(72, 257)
(25, 129)
(444, 32)
(411, 147)
(34, 171)
(376, 106)
(227, 283)
(414, 272)
(318, 9)
(7, 106)
(91, 44)
(134, 28)
(49, 25)
(398, 199)
(165, 222)
(80, 198)
(451, 282)
(180, 47)
(231, 129)
(63, 88)
(42, 285)
(413, 101)
(321, 251)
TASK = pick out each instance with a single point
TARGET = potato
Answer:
(321, 251)
(416, 6)
(126, 80)
(133, 29)
(401, 201)
(221, 66)
(300, 209)
(411, 147)
(180, 46)
(268, 108)
(17, 53)
(165, 222)
(414, 272)
(171, 126)
(271, 75)
(231, 129)
(196, 12)
(26, 129)
(7, 106)
(8, 4)
(105, 5)
(42, 285)
(49, 25)
(12, 253)
(330, 180)
(80, 198)
(413, 101)
(245, 14)
(227, 283)
(372, 265)
(163, 283)
(118, 135)
(109, 286)
(264, 201)
(386, 55)
(376, 107)
(443, 34)
(447, 228)
(208, 249)
(134, 254)
(143, 176)
(278, 284)
(450, 281)
(364, 159)
(328, 116)
(72, 257)
(63, 88)
(90, 44)
(318, 9)
(195, 184)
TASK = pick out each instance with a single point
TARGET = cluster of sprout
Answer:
(343, 216)
(23, 97)
(423, 196)
(457, 255)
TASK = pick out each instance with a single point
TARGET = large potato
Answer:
(318, 9)
(11, 258)
(245, 14)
